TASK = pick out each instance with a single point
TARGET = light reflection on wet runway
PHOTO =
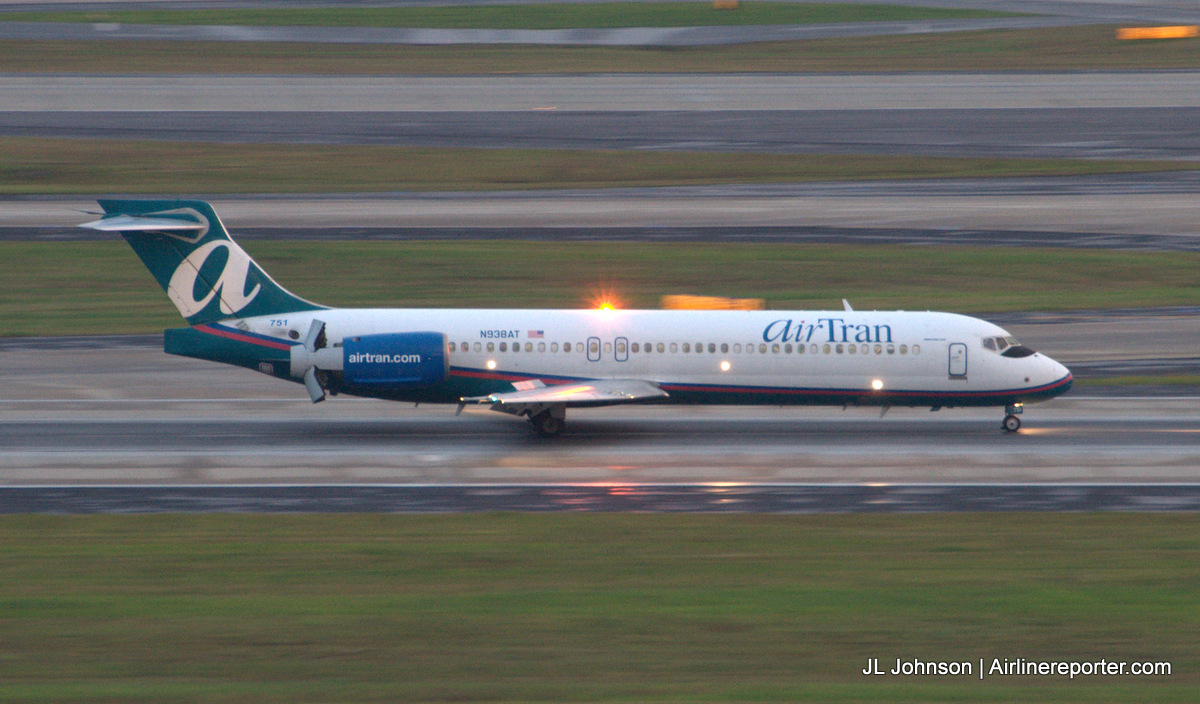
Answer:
(722, 497)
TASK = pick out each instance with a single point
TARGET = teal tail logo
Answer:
(205, 273)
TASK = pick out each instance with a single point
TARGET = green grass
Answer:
(99, 287)
(584, 608)
(1142, 380)
(42, 166)
(539, 16)
(1053, 49)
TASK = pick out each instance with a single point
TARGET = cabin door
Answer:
(958, 360)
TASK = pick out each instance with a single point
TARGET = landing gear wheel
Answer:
(548, 426)
(1012, 424)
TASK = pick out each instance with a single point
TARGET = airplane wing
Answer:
(533, 396)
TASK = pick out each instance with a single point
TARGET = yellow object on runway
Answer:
(1178, 32)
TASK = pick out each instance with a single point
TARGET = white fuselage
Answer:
(925, 358)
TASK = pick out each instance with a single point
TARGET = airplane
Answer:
(538, 363)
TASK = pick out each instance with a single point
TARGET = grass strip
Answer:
(43, 166)
(101, 287)
(1142, 380)
(533, 608)
(601, 15)
(1092, 48)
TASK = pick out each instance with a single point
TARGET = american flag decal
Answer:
(535, 334)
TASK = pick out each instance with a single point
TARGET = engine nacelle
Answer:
(398, 359)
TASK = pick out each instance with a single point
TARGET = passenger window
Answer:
(916, 349)
(476, 346)
(840, 349)
(687, 348)
(635, 348)
(661, 348)
(762, 348)
(593, 348)
(503, 346)
(903, 349)
(852, 349)
(452, 348)
(799, 349)
(554, 347)
(491, 347)
(891, 349)
(712, 348)
(775, 348)
(541, 347)
(724, 348)
(737, 349)
(674, 347)
(566, 347)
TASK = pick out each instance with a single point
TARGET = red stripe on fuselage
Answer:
(243, 337)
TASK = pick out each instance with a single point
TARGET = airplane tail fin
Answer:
(205, 273)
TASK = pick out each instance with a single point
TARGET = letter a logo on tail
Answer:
(229, 288)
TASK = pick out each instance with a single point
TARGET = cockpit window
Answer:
(1007, 345)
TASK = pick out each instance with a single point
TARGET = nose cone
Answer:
(1058, 379)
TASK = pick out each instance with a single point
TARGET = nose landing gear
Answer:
(1012, 423)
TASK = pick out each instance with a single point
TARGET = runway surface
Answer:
(718, 497)
(126, 413)
(1078, 133)
(273, 441)
(929, 212)
(601, 93)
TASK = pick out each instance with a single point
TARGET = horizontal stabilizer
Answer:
(130, 223)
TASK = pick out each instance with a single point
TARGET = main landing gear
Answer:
(1011, 422)
(551, 422)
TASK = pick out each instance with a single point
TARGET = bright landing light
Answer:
(877, 384)
(724, 366)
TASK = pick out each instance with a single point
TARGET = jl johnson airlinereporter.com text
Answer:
(998, 667)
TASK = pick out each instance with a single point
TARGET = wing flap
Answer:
(602, 392)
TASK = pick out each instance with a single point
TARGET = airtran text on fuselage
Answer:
(369, 358)
(825, 330)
